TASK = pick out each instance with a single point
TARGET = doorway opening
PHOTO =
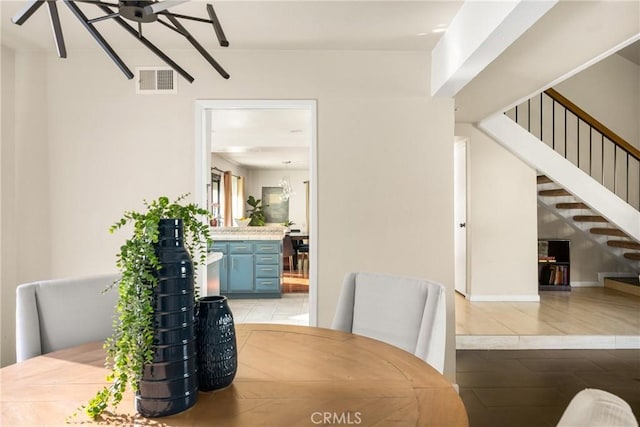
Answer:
(269, 112)
(460, 213)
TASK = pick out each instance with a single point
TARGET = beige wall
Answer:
(501, 221)
(385, 159)
(609, 91)
(25, 182)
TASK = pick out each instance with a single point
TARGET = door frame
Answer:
(461, 246)
(203, 167)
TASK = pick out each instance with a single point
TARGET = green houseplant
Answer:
(130, 346)
(257, 212)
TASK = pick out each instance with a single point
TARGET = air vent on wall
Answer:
(156, 80)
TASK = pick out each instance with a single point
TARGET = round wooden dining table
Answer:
(287, 376)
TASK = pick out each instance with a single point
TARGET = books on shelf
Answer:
(557, 275)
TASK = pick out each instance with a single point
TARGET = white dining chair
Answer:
(408, 313)
(597, 408)
(56, 314)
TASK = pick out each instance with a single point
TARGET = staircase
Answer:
(587, 176)
(585, 220)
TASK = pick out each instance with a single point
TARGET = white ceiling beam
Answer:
(478, 34)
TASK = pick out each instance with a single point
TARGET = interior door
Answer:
(460, 214)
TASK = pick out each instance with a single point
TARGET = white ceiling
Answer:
(262, 24)
(290, 24)
(631, 52)
(262, 139)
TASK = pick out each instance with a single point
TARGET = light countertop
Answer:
(248, 233)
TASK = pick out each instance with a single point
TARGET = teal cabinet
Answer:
(250, 268)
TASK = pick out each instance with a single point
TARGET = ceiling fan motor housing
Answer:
(134, 11)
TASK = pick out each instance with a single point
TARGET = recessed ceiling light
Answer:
(440, 28)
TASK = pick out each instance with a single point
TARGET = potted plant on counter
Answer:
(256, 213)
(168, 241)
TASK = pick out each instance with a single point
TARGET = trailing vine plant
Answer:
(130, 346)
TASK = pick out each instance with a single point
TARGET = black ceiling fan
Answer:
(140, 12)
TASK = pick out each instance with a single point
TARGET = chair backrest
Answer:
(287, 247)
(406, 312)
(597, 408)
(56, 314)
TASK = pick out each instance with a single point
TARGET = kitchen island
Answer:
(251, 265)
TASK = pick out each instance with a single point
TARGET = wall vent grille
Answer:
(156, 80)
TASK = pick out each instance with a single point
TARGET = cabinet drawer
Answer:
(267, 259)
(268, 285)
(267, 247)
(219, 247)
(241, 248)
(267, 271)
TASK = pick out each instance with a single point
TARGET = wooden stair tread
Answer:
(589, 218)
(572, 205)
(554, 193)
(632, 255)
(623, 244)
(607, 231)
(543, 179)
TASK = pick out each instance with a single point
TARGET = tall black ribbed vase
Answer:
(170, 383)
(216, 337)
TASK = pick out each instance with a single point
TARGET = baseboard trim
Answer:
(503, 298)
(587, 284)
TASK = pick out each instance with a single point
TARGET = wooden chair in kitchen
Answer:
(288, 252)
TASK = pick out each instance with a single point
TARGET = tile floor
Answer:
(292, 308)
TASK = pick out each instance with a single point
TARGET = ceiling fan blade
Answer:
(222, 39)
(57, 28)
(25, 13)
(162, 5)
(150, 46)
(98, 37)
(198, 47)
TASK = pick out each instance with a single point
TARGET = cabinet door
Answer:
(240, 278)
(224, 265)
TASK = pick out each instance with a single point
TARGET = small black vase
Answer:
(216, 342)
(169, 383)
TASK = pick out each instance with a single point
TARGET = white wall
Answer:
(501, 221)
(109, 149)
(25, 220)
(609, 91)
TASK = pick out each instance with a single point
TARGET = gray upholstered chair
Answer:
(597, 408)
(408, 313)
(56, 314)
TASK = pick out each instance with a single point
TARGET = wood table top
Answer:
(287, 376)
